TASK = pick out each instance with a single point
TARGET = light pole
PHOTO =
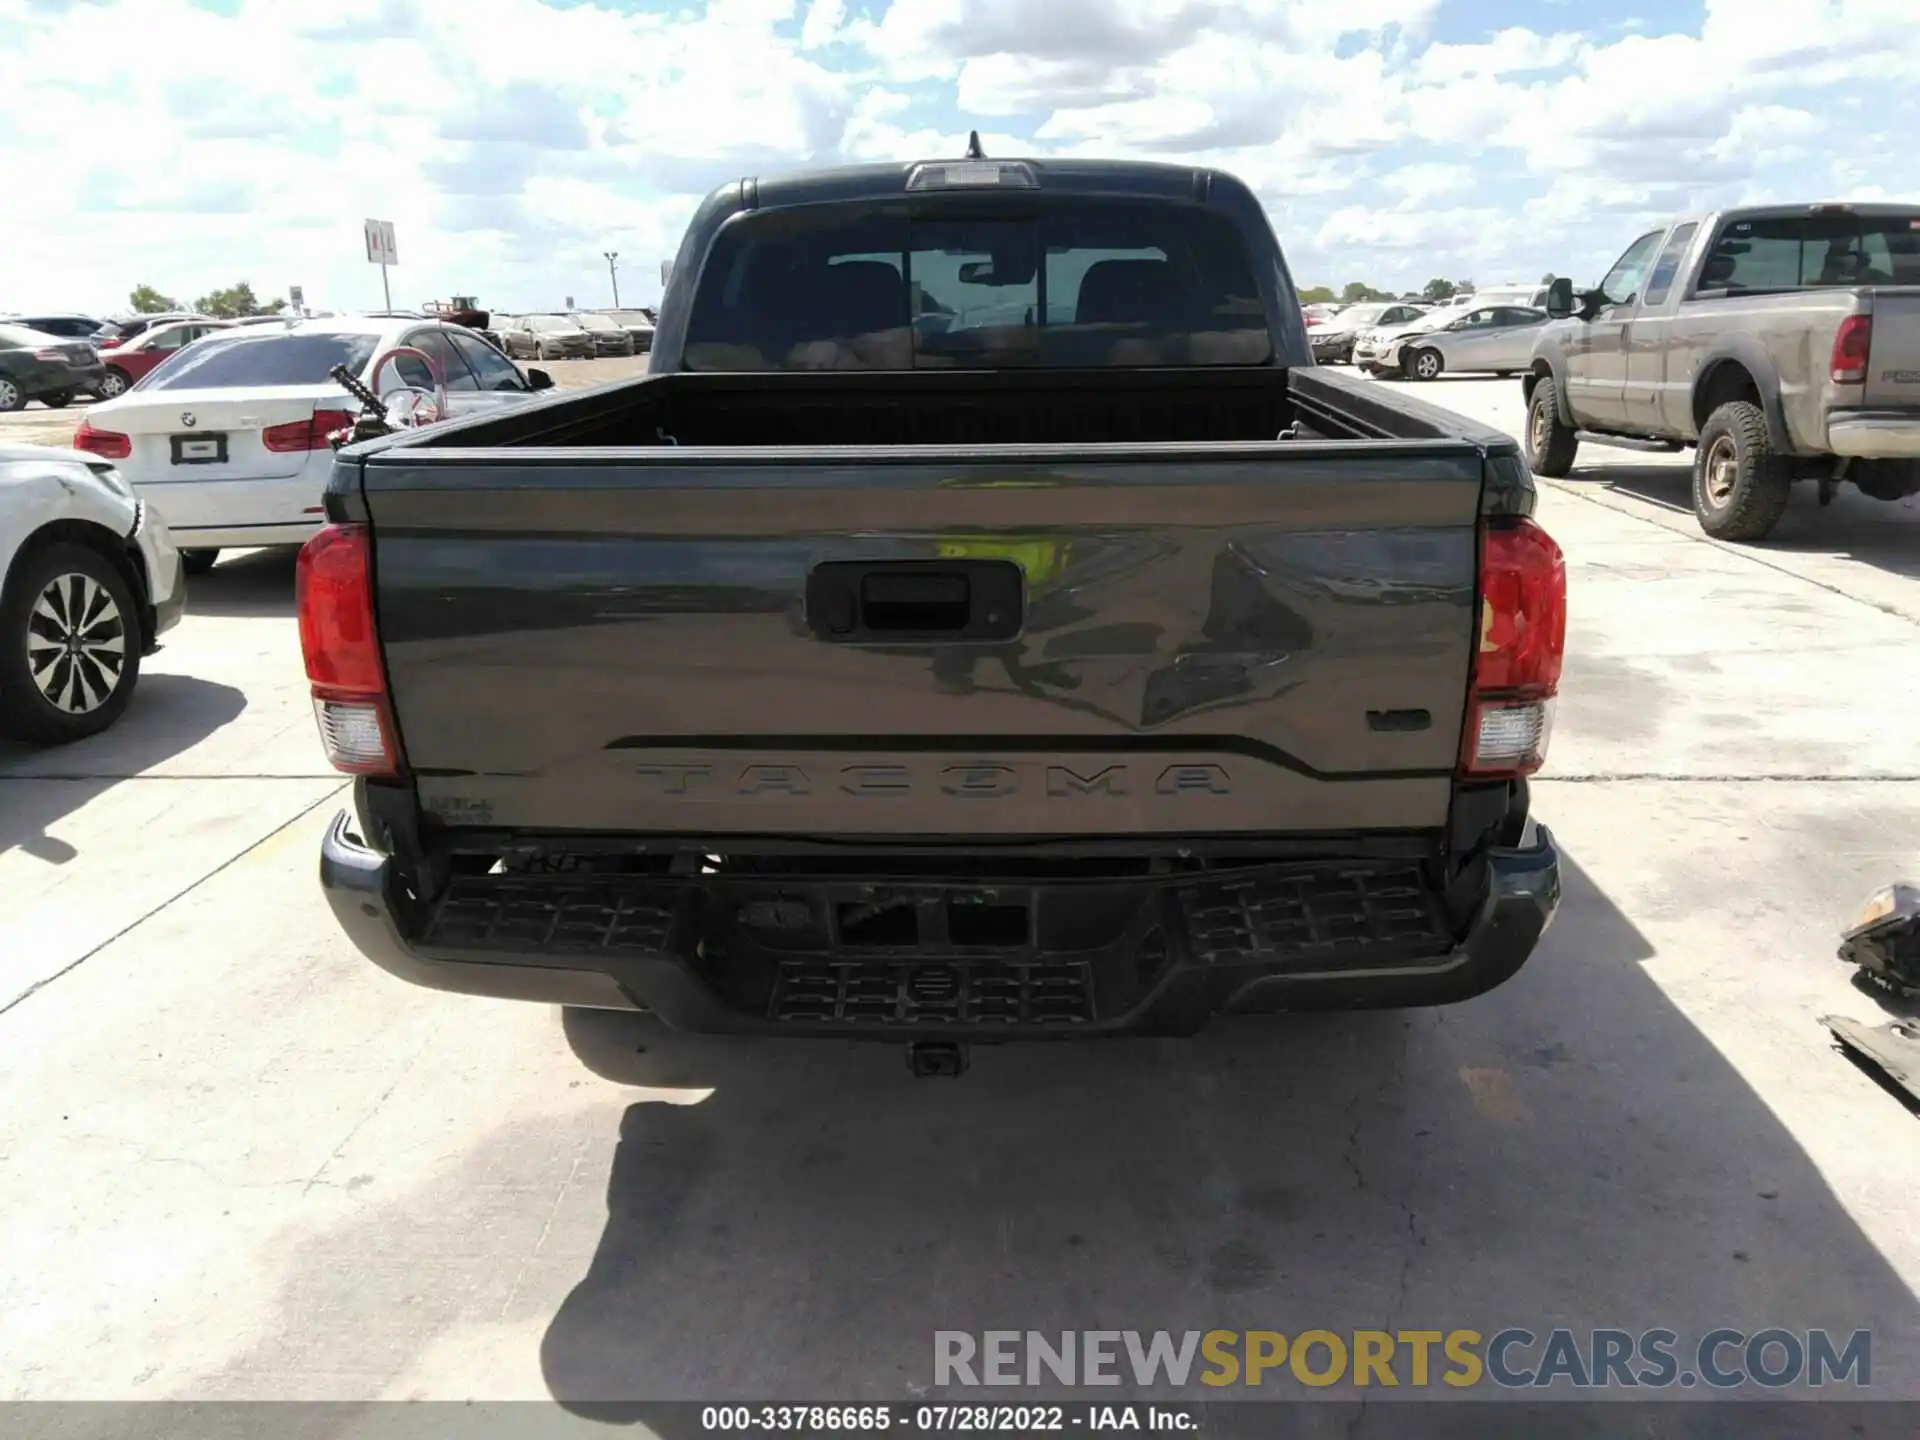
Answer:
(613, 275)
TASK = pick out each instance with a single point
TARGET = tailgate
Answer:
(1210, 639)
(1893, 365)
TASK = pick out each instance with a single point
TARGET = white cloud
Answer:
(512, 141)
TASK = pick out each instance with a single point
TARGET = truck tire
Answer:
(1551, 443)
(50, 698)
(1740, 487)
(198, 562)
(1426, 363)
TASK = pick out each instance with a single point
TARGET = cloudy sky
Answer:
(190, 143)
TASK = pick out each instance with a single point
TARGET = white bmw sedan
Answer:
(229, 439)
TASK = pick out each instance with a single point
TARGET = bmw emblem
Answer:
(186, 419)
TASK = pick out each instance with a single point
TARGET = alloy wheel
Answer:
(76, 643)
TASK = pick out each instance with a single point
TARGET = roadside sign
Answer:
(569, 302)
(666, 272)
(296, 297)
(381, 246)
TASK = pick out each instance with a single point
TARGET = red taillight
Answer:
(1522, 644)
(107, 444)
(1851, 342)
(50, 354)
(309, 434)
(333, 594)
(112, 342)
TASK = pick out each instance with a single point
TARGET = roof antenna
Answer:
(974, 152)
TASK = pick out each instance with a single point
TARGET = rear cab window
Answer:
(1807, 251)
(250, 360)
(1095, 283)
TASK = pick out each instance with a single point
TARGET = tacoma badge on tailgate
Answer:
(969, 779)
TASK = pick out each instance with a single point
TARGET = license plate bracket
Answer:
(208, 449)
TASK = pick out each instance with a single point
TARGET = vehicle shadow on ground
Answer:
(805, 1228)
(1884, 534)
(255, 585)
(38, 786)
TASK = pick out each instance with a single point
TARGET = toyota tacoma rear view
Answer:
(983, 622)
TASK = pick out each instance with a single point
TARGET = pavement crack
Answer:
(385, 1095)
(119, 778)
(134, 924)
(1744, 552)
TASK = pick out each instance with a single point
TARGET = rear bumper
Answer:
(54, 379)
(1188, 950)
(1874, 434)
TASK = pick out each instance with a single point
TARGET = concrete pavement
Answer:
(236, 1161)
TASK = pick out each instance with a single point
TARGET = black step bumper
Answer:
(1143, 956)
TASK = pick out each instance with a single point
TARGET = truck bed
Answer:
(1211, 630)
(987, 407)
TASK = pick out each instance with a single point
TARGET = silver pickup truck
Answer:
(1782, 343)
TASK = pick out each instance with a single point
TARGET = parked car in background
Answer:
(639, 324)
(1782, 343)
(1332, 339)
(1495, 338)
(1377, 351)
(545, 337)
(128, 362)
(609, 336)
(91, 580)
(119, 332)
(228, 438)
(66, 326)
(38, 366)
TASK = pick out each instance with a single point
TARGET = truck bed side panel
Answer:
(1235, 638)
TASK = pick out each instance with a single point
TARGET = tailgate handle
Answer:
(934, 603)
(909, 600)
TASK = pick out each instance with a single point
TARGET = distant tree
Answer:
(1548, 278)
(1359, 292)
(1439, 290)
(146, 300)
(235, 302)
(1316, 295)
(1464, 287)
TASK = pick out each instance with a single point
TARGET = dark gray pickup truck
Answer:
(983, 623)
